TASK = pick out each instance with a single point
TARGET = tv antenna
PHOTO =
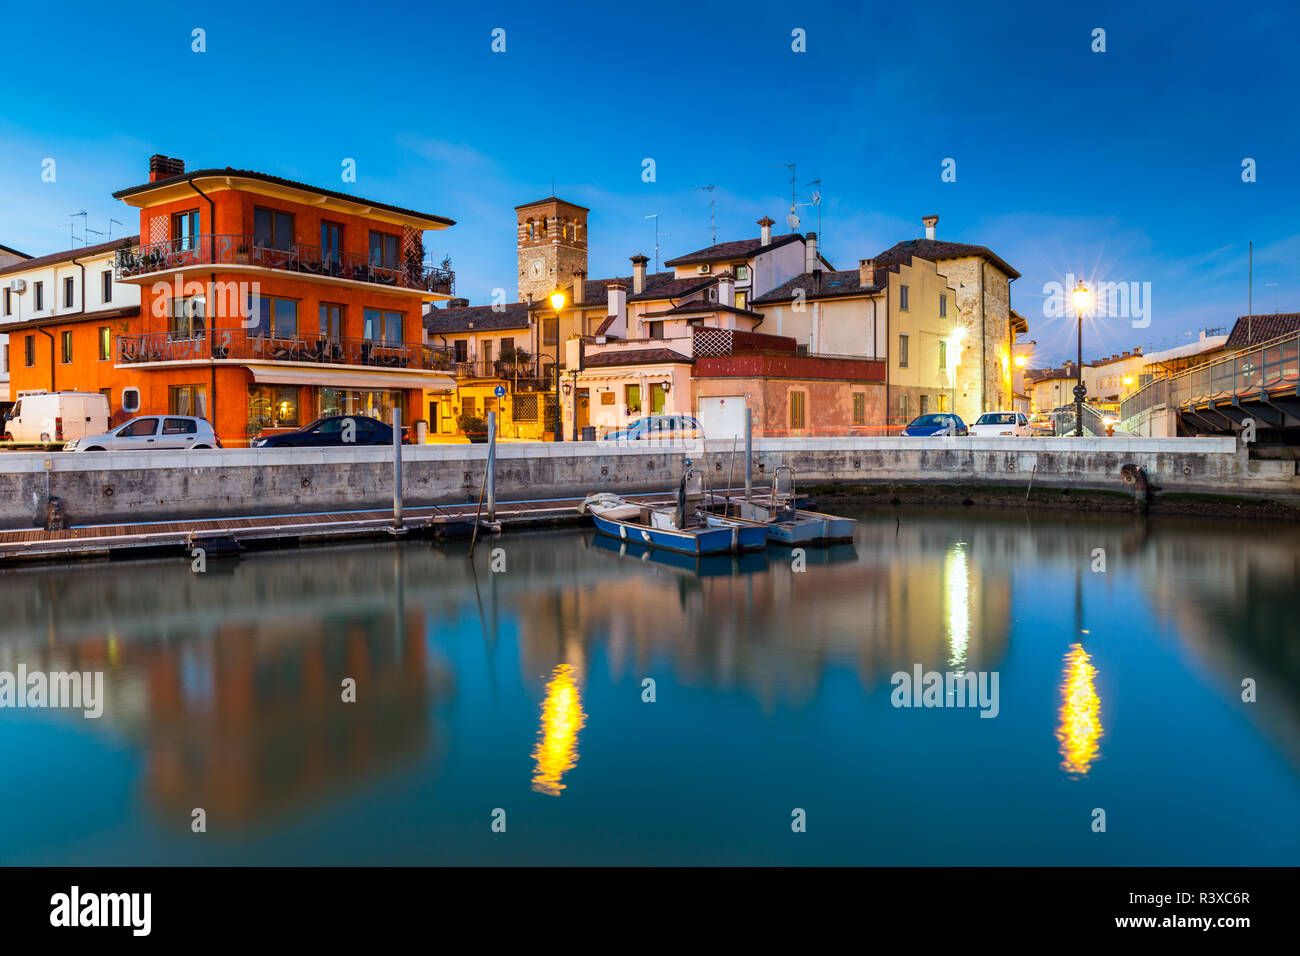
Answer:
(713, 210)
(110, 228)
(792, 220)
(658, 234)
(82, 216)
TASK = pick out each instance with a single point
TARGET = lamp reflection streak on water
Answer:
(1079, 729)
(556, 752)
(956, 575)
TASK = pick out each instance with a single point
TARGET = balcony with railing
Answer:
(529, 374)
(260, 345)
(245, 251)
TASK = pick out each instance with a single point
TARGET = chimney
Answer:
(457, 303)
(164, 167)
(930, 223)
(638, 273)
(817, 281)
(579, 281)
(866, 272)
(1138, 350)
(617, 298)
(727, 288)
(810, 253)
(765, 230)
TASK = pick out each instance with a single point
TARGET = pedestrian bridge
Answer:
(1261, 383)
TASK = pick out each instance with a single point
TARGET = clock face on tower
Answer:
(535, 269)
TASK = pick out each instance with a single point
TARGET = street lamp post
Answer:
(557, 302)
(1081, 301)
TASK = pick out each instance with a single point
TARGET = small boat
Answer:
(700, 565)
(683, 528)
(776, 512)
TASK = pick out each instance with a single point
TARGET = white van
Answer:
(51, 418)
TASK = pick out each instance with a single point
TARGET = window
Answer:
(632, 397)
(902, 351)
(797, 409)
(139, 428)
(331, 242)
(29, 351)
(742, 273)
(65, 340)
(331, 320)
(656, 398)
(383, 250)
(656, 329)
(943, 402)
(902, 407)
(105, 343)
(902, 298)
(943, 306)
(180, 426)
(460, 349)
(130, 400)
(859, 408)
(550, 335)
(742, 300)
(185, 229)
(106, 285)
(277, 317)
(186, 400)
(9, 302)
(272, 229)
(273, 406)
(188, 317)
(468, 406)
(69, 292)
(943, 355)
(383, 327)
(925, 404)
(38, 290)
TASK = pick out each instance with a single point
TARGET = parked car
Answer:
(51, 418)
(1042, 424)
(330, 432)
(939, 423)
(659, 428)
(1001, 423)
(150, 432)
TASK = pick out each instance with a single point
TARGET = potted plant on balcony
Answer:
(474, 428)
(127, 260)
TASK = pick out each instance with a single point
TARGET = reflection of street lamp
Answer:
(557, 303)
(1081, 302)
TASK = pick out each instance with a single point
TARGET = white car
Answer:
(149, 432)
(1001, 423)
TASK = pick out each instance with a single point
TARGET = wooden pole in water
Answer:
(749, 452)
(477, 514)
(397, 469)
(492, 467)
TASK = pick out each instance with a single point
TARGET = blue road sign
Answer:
(499, 391)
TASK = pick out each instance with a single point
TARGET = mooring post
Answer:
(749, 453)
(492, 468)
(397, 469)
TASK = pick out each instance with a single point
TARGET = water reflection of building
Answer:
(918, 593)
(231, 682)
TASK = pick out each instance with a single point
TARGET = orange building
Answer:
(264, 304)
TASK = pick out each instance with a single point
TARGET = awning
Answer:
(349, 378)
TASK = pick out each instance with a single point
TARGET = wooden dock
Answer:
(92, 540)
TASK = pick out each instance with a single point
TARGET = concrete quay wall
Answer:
(106, 488)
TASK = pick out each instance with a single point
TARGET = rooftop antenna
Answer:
(110, 228)
(816, 200)
(95, 231)
(82, 215)
(713, 210)
(655, 217)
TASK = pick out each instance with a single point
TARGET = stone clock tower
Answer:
(552, 246)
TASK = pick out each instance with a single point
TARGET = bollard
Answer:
(492, 468)
(397, 469)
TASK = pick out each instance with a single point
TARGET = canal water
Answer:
(581, 705)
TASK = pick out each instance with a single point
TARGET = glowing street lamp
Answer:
(1082, 301)
(557, 303)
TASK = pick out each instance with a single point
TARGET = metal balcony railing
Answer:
(256, 345)
(205, 251)
(507, 370)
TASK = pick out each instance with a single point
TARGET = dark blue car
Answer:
(940, 423)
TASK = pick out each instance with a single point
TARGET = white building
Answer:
(73, 282)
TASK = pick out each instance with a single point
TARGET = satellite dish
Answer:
(792, 221)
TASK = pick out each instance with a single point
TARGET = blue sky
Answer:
(1123, 165)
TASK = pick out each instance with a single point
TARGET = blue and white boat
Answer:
(683, 528)
(777, 515)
